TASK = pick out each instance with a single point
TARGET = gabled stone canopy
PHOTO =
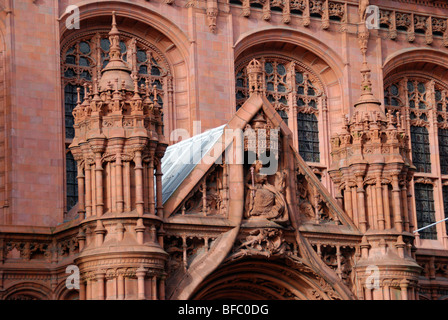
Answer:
(234, 222)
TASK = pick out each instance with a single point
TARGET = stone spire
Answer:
(116, 68)
(255, 75)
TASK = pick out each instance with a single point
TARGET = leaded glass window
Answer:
(288, 83)
(419, 99)
(443, 150)
(445, 206)
(392, 96)
(424, 205)
(308, 136)
(421, 155)
(70, 99)
(72, 185)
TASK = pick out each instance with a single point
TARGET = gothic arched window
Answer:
(288, 84)
(83, 58)
(423, 103)
(421, 155)
(424, 204)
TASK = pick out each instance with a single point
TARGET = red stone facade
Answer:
(355, 116)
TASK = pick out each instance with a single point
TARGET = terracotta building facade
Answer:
(223, 149)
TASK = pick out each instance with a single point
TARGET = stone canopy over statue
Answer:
(264, 199)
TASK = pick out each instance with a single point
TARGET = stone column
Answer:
(127, 186)
(361, 204)
(119, 183)
(159, 188)
(379, 203)
(154, 287)
(386, 292)
(141, 273)
(120, 285)
(348, 200)
(88, 190)
(82, 290)
(100, 277)
(80, 177)
(388, 223)
(396, 199)
(151, 200)
(138, 182)
(404, 290)
(99, 184)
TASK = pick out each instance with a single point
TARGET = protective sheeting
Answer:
(181, 158)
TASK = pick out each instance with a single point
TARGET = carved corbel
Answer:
(267, 10)
(411, 32)
(212, 14)
(325, 17)
(393, 26)
(344, 21)
(286, 12)
(428, 34)
(445, 34)
(246, 8)
(306, 14)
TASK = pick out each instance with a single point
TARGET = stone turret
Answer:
(372, 171)
(118, 147)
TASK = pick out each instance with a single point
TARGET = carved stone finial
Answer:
(255, 74)
(116, 68)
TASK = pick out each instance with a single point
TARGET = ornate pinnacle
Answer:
(116, 68)
(114, 38)
(255, 74)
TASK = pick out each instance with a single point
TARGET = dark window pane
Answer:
(143, 69)
(84, 47)
(83, 62)
(299, 77)
(155, 71)
(105, 44)
(424, 204)
(141, 56)
(445, 205)
(268, 68)
(443, 150)
(308, 137)
(421, 155)
(72, 184)
(70, 59)
(281, 69)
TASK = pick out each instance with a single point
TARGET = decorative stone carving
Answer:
(266, 242)
(212, 13)
(263, 199)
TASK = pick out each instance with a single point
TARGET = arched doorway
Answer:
(259, 278)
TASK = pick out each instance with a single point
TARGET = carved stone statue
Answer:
(263, 199)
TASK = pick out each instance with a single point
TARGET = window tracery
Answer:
(424, 104)
(424, 203)
(294, 92)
